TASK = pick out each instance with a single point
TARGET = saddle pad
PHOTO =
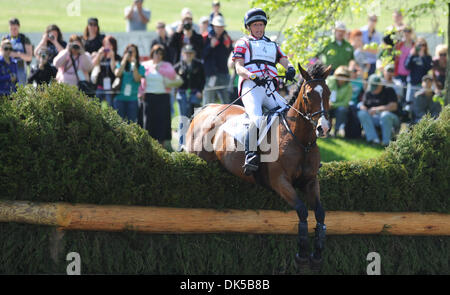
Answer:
(235, 126)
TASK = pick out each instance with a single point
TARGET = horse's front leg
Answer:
(284, 188)
(312, 190)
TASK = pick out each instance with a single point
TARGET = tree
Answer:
(304, 38)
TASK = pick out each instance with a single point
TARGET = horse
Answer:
(298, 157)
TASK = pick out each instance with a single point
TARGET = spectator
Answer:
(137, 17)
(338, 52)
(185, 12)
(203, 26)
(423, 102)
(404, 47)
(64, 62)
(130, 71)
(215, 12)
(418, 62)
(157, 98)
(43, 71)
(378, 110)
(162, 39)
(22, 50)
(189, 94)
(360, 56)
(185, 34)
(370, 37)
(215, 54)
(105, 63)
(388, 79)
(8, 69)
(341, 94)
(356, 82)
(397, 17)
(92, 37)
(440, 67)
(52, 41)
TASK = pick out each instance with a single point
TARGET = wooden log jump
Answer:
(182, 221)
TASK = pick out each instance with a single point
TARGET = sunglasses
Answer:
(443, 54)
(407, 31)
(93, 24)
(7, 49)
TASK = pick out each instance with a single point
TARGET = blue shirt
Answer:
(6, 86)
(376, 37)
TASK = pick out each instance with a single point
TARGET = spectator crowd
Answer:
(379, 79)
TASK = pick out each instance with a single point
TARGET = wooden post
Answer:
(182, 221)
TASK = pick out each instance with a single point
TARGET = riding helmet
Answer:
(253, 15)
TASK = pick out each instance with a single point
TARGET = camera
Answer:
(130, 52)
(74, 46)
(51, 37)
(187, 26)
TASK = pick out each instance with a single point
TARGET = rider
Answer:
(255, 57)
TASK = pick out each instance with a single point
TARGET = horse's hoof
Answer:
(301, 262)
(315, 264)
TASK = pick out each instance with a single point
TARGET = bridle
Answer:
(309, 117)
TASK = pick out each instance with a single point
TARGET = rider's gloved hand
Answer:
(290, 73)
(258, 81)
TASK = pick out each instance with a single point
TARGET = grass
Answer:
(35, 15)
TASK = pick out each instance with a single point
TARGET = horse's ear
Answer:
(304, 73)
(327, 71)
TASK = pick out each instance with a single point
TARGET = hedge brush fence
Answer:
(58, 146)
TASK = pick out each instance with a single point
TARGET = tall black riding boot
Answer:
(302, 257)
(251, 152)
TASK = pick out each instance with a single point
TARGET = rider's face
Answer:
(257, 29)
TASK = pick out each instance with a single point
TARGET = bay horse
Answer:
(298, 157)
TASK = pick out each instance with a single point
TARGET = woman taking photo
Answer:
(92, 37)
(73, 63)
(130, 71)
(8, 69)
(105, 62)
(52, 42)
(157, 97)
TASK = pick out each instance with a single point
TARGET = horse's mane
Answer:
(316, 71)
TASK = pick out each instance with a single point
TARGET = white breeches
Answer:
(260, 97)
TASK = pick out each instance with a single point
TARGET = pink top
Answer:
(66, 71)
(401, 63)
(163, 68)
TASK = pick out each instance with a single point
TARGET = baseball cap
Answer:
(374, 82)
(188, 48)
(427, 77)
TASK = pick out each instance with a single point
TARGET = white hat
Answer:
(203, 19)
(186, 12)
(218, 21)
(340, 26)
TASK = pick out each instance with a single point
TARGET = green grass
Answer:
(35, 15)
(339, 149)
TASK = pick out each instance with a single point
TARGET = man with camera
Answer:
(22, 50)
(185, 34)
(8, 69)
(137, 17)
(43, 71)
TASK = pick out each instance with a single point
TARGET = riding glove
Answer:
(290, 73)
(258, 81)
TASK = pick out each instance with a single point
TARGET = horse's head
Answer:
(313, 98)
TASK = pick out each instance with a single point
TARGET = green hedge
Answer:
(57, 145)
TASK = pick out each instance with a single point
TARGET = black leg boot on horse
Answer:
(251, 164)
(319, 237)
(302, 259)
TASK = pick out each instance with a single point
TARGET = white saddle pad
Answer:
(236, 126)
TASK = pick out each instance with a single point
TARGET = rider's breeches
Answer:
(257, 98)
